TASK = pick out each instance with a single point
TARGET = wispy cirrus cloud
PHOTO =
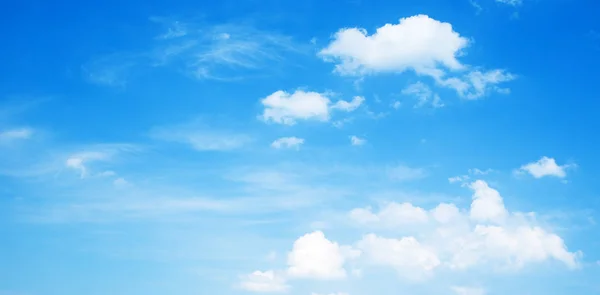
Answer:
(223, 52)
(15, 134)
(510, 2)
(202, 137)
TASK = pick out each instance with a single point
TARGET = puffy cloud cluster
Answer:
(544, 167)
(445, 238)
(288, 108)
(420, 44)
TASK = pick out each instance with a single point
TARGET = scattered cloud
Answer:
(406, 173)
(120, 182)
(288, 108)
(201, 137)
(288, 142)
(349, 106)
(81, 161)
(545, 166)
(471, 172)
(468, 291)
(445, 239)
(15, 134)
(264, 282)
(314, 256)
(510, 2)
(223, 52)
(418, 43)
(476, 5)
(391, 215)
(113, 70)
(460, 178)
(476, 171)
(424, 95)
(357, 53)
(356, 141)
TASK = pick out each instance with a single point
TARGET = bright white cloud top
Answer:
(545, 167)
(418, 43)
(446, 239)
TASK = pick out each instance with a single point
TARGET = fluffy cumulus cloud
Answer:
(487, 205)
(543, 167)
(264, 282)
(287, 142)
(406, 255)
(420, 44)
(442, 239)
(288, 108)
(314, 256)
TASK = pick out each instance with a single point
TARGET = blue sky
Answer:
(299, 147)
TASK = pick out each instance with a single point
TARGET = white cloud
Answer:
(287, 142)
(264, 282)
(285, 108)
(476, 83)
(78, 161)
(424, 95)
(545, 167)
(459, 178)
(120, 182)
(314, 256)
(201, 137)
(411, 259)
(446, 213)
(476, 171)
(418, 43)
(391, 215)
(487, 205)
(444, 239)
(349, 106)
(511, 2)
(485, 235)
(338, 293)
(472, 172)
(15, 134)
(406, 173)
(223, 52)
(355, 140)
(468, 291)
(288, 108)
